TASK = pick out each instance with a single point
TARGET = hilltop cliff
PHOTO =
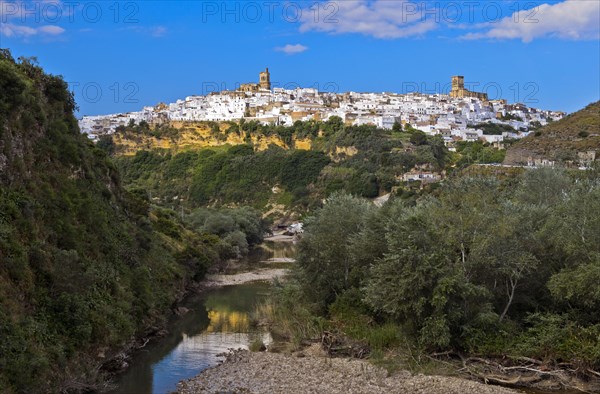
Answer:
(567, 140)
(272, 168)
(182, 136)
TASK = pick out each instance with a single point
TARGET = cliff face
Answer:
(182, 136)
(34, 111)
(567, 140)
(82, 268)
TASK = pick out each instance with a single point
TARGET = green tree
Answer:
(418, 138)
(397, 127)
(324, 256)
(422, 285)
(107, 144)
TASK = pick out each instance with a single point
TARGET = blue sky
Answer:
(120, 56)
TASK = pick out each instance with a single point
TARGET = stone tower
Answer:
(458, 82)
(459, 91)
(265, 80)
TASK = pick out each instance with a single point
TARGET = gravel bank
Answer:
(281, 238)
(310, 372)
(244, 277)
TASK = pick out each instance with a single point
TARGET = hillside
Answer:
(85, 265)
(272, 168)
(561, 141)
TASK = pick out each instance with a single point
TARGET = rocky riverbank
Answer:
(310, 371)
(281, 237)
(243, 277)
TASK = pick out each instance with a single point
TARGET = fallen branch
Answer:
(448, 353)
(593, 372)
(145, 343)
(483, 361)
(533, 370)
(494, 379)
(523, 372)
(339, 345)
(528, 359)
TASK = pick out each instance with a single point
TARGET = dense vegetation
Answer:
(238, 229)
(223, 176)
(85, 266)
(494, 128)
(481, 266)
(362, 160)
(477, 152)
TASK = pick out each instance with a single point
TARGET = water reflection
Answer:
(279, 250)
(227, 321)
(217, 321)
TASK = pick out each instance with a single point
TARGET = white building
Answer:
(434, 114)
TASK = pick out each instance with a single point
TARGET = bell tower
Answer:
(458, 82)
(459, 91)
(265, 80)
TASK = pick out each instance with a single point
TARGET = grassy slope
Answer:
(565, 137)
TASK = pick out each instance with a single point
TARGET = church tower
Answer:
(458, 82)
(459, 91)
(265, 80)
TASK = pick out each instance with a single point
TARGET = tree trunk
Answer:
(511, 294)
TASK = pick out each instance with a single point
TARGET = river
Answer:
(219, 319)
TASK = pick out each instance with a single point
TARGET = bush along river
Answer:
(213, 321)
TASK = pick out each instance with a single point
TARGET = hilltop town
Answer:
(457, 116)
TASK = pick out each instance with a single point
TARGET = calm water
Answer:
(218, 320)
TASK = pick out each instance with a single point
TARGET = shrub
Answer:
(257, 346)
(556, 338)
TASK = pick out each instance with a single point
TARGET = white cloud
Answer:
(21, 31)
(22, 19)
(292, 49)
(158, 31)
(153, 31)
(571, 19)
(378, 18)
(51, 30)
(392, 19)
(10, 30)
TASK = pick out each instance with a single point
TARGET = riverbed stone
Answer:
(246, 372)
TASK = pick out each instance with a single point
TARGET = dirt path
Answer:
(311, 372)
